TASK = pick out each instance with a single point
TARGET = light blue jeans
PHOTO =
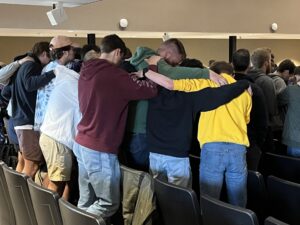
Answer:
(293, 151)
(219, 159)
(99, 181)
(176, 170)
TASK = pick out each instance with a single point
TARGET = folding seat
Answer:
(20, 197)
(7, 215)
(177, 205)
(284, 200)
(216, 212)
(71, 215)
(45, 204)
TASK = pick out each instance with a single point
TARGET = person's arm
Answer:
(6, 92)
(33, 79)
(9, 70)
(268, 89)
(283, 97)
(211, 98)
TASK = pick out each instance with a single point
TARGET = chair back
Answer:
(45, 204)
(272, 221)
(7, 215)
(276, 165)
(257, 194)
(71, 215)
(284, 199)
(20, 196)
(177, 205)
(215, 212)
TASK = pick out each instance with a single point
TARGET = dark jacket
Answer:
(268, 87)
(258, 125)
(171, 116)
(24, 90)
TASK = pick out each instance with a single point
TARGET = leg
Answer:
(179, 171)
(212, 168)
(236, 175)
(156, 165)
(86, 192)
(21, 162)
(30, 168)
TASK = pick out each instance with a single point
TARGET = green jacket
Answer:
(137, 120)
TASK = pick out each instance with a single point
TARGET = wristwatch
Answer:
(145, 70)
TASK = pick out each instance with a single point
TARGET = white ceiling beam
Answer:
(66, 3)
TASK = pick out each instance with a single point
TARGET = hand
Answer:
(25, 59)
(217, 78)
(250, 90)
(153, 60)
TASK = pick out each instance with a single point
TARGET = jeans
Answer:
(293, 151)
(176, 170)
(135, 151)
(99, 181)
(219, 159)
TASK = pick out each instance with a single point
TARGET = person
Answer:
(24, 91)
(61, 51)
(169, 138)
(261, 61)
(59, 128)
(282, 75)
(258, 125)
(104, 92)
(291, 128)
(222, 151)
(171, 51)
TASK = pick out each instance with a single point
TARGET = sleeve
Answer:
(283, 97)
(7, 71)
(33, 79)
(134, 89)
(190, 85)
(279, 85)
(211, 98)
(6, 92)
(179, 72)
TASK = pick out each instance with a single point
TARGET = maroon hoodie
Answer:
(104, 91)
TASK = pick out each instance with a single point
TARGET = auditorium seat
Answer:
(272, 221)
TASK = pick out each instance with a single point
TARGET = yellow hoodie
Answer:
(228, 123)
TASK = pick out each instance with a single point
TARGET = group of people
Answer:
(142, 109)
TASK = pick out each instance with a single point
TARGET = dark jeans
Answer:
(134, 149)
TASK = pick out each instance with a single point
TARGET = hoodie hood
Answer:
(92, 67)
(255, 73)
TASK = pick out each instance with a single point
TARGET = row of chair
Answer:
(23, 202)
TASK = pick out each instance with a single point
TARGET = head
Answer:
(172, 50)
(210, 62)
(286, 69)
(241, 60)
(128, 54)
(62, 49)
(261, 59)
(296, 77)
(195, 63)
(222, 67)
(42, 52)
(112, 48)
(86, 49)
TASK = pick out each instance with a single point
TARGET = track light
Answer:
(57, 15)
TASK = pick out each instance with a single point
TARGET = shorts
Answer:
(29, 145)
(58, 158)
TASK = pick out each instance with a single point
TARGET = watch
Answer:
(145, 70)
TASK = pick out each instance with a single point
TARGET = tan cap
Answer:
(59, 42)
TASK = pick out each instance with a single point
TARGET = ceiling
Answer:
(66, 3)
(9, 32)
